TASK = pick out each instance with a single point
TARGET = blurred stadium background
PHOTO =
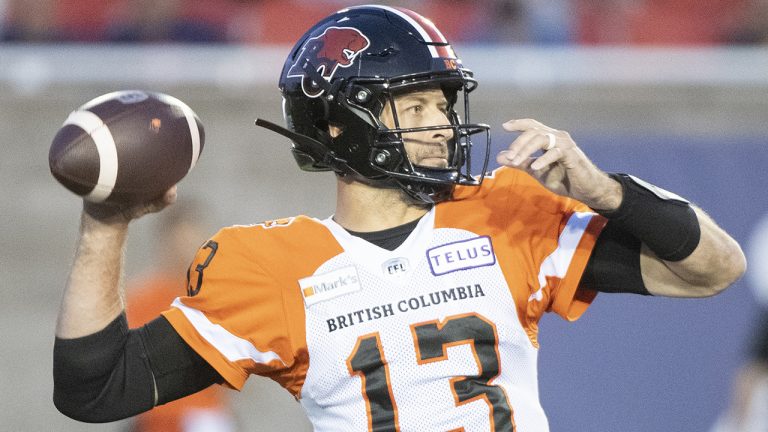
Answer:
(673, 91)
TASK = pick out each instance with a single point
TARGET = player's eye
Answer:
(415, 109)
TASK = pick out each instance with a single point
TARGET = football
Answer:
(126, 147)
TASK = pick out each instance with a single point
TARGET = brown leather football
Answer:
(126, 147)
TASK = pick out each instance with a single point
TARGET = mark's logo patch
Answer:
(329, 285)
(336, 47)
(461, 255)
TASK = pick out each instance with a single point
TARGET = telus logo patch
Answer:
(461, 255)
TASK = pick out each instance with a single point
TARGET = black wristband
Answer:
(665, 222)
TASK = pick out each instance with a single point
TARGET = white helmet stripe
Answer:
(105, 146)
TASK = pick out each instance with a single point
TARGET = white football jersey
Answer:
(439, 334)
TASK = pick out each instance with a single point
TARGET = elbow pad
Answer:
(118, 373)
(102, 377)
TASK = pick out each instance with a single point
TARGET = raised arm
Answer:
(684, 253)
(102, 371)
(93, 295)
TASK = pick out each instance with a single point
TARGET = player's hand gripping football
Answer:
(562, 167)
(123, 213)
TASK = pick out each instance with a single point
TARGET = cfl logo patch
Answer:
(395, 266)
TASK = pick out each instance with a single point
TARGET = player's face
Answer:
(421, 108)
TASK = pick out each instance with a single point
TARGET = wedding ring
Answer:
(551, 143)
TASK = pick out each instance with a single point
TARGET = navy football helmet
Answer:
(345, 70)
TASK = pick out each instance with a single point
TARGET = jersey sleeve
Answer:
(575, 243)
(563, 233)
(233, 313)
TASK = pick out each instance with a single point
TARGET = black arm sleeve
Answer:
(179, 371)
(614, 266)
(111, 374)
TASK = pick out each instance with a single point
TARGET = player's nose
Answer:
(438, 117)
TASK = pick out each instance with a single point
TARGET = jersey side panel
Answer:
(247, 314)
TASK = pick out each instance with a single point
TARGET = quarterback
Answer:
(416, 308)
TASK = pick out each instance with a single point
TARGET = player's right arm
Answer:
(103, 371)
(92, 297)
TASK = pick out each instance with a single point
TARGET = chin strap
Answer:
(430, 194)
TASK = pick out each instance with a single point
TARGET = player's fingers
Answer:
(548, 158)
(108, 212)
(519, 143)
(171, 195)
(514, 148)
(528, 143)
(523, 165)
(519, 125)
(168, 198)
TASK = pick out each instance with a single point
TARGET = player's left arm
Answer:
(684, 253)
(715, 264)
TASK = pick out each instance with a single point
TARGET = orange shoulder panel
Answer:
(525, 221)
(244, 281)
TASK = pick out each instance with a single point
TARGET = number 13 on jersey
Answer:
(431, 341)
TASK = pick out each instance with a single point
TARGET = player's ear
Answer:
(335, 130)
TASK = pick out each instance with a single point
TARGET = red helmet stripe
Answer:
(427, 24)
(434, 33)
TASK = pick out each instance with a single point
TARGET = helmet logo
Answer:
(336, 47)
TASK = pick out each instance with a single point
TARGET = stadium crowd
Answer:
(586, 22)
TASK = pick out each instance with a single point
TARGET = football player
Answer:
(415, 306)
